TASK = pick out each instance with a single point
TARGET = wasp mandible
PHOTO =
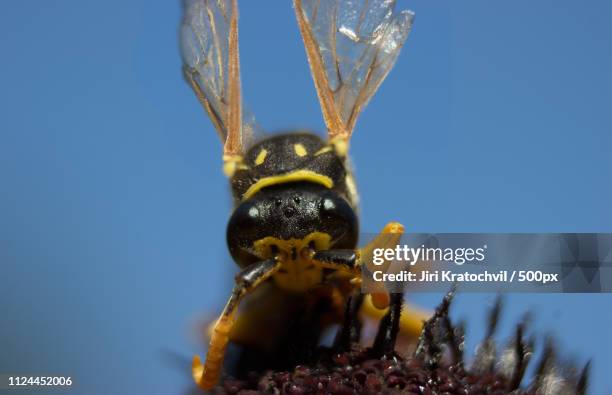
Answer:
(294, 227)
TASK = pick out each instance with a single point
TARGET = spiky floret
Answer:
(437, 365)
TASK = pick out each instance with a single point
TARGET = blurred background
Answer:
(113, 205)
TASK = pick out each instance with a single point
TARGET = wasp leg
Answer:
(352, 261)
(343, 260)
(350, 332)
(207, 375)
(384, 343)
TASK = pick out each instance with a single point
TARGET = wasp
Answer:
(294, 227)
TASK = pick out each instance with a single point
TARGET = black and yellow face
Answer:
(292, 194)
(287, 218)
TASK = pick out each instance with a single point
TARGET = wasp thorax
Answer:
(289, 220)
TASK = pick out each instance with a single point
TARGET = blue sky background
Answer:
(113, 207)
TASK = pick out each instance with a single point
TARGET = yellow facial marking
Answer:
(262, 247)
(323, 150)
(298, 272)
(298, 175)
(261, 157)
(300, 150)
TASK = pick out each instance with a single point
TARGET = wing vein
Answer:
(332, 118)
(211, 64)
(351, 45)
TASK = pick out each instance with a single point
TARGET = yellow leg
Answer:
(207, 375)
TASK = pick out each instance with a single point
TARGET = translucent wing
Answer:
(209, 46)
(351, 47)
